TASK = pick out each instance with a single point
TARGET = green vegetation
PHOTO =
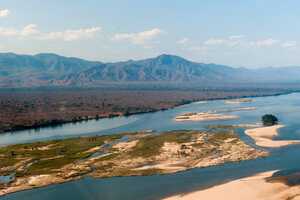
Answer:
(50, 156)
(151, 145)
(269, 120)
(46, 157)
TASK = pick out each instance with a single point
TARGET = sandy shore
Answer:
(263, 137)
(250, 188)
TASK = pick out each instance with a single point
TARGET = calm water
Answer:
(286, 107)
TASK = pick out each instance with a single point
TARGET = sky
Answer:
(239, 33)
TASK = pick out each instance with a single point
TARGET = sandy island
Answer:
(126, 154)
(263, 137)
(257, 187)
(211, 115)
(204, 116)
(238, 101)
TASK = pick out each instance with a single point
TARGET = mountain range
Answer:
(54, 70)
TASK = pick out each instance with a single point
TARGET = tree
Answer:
(269, 120)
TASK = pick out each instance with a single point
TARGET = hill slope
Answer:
(41, 69)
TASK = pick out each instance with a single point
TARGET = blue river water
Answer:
(286, 107)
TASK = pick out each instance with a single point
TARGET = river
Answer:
(286, 107)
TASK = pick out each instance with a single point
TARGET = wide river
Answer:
(286, 107)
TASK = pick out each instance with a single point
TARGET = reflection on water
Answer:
(286, 107)
(66, 130)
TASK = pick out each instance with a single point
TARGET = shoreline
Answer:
(60, 122)
(259, 187)
(263, 137)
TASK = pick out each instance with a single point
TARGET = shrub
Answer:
(269, 120)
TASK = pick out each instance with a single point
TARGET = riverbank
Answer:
(38, 109)
(129, 154)
(263, 136)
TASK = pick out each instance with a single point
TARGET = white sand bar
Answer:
(204, 116)
(251, 188)
(263, 137)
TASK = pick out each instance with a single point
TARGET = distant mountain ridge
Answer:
(54, 70)
(164, 68)
(41, 69)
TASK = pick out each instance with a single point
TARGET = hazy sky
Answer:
(249, 33)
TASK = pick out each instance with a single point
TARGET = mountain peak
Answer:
(162, 56)
(166, 59)
(47, 55)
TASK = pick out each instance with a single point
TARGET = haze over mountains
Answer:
(54, 70)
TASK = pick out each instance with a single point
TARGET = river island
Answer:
(204, 116)
(28, 166)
